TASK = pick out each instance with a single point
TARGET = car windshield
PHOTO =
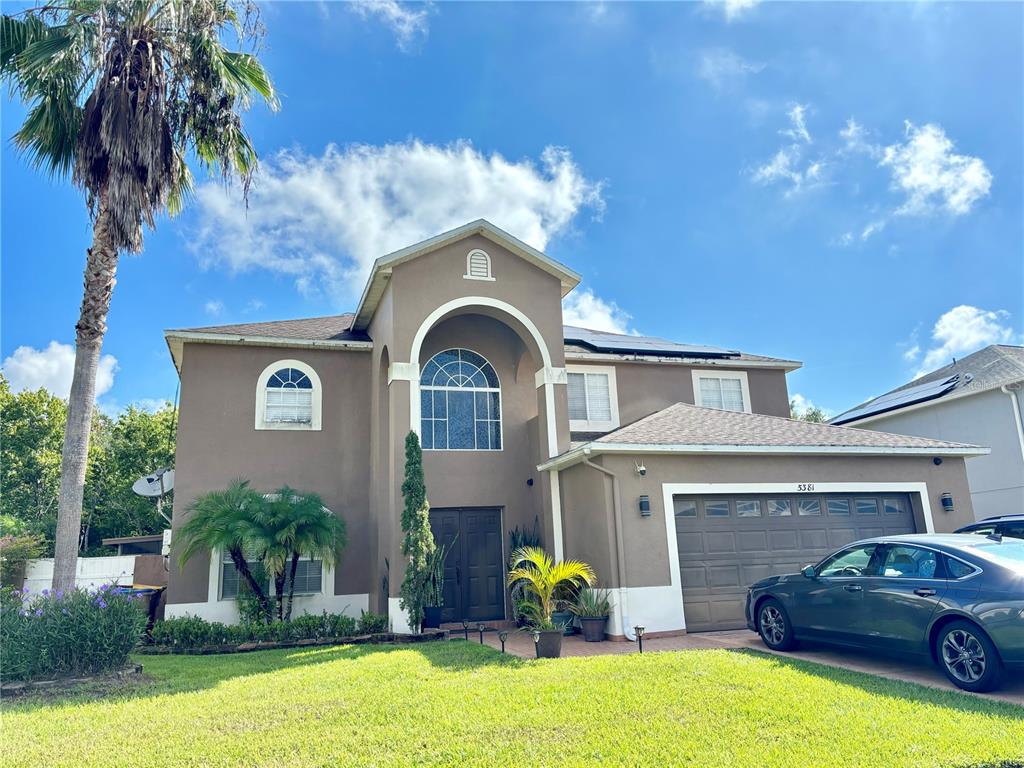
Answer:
(1008, 551)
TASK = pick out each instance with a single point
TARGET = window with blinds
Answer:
(592, 405)
(722, 392)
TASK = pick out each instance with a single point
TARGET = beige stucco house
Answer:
(672, 468)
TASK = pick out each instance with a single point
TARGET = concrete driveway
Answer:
(892, 668)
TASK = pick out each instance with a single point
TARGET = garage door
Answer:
(726, 543)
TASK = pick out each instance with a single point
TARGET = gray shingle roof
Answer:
(683, 424)
(988, 368)
(329, 328)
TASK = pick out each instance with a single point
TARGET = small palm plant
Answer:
(541, 578)
(222, 521)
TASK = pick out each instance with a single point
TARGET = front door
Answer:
(474, 574)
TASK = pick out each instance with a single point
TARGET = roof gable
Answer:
(381, 271)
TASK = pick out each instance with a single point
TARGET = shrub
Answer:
(372, 623)
(75, 632)
(190, 632)
(15, 551)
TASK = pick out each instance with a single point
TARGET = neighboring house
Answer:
(671, 468)
(978, 399)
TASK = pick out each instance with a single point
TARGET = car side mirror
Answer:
(809, 572)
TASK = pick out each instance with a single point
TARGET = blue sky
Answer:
(837, 183)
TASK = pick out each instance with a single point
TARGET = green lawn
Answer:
(458, 703)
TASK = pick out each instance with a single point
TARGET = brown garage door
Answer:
(726, 543)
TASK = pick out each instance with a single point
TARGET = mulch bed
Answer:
(384, 637)
(65, 683)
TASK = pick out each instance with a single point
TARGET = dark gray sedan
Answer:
(956, 597)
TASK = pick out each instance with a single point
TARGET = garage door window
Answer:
(685, 507)
(867, 507)
(780, 508)
(839, 506)
(810, 507)
(750, 508)
(893, 506)
(716, 509)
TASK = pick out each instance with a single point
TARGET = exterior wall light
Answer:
(503, 636)
(640, 637)
(645, 506)
(947, 502)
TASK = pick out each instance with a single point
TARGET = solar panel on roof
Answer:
(901, 398)
(644, 345)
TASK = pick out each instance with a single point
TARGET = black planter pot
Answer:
(593, 628)
(431, 616)
(549, 644)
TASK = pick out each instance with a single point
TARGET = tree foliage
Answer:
(417, 539)
(122, 448)
(812, 413)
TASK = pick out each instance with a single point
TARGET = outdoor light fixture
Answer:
(503, 636)
(645, 506)
(640, 637)
(480, 629)
(947, 502)
(536, 637)
(465, 629)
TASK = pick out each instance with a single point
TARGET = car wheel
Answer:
(774, 627)
(968, 657)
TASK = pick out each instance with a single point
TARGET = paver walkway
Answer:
(893, 668)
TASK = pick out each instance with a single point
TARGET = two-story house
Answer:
(672, 468)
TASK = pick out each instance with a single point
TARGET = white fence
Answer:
(92, 572)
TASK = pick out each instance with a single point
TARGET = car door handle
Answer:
(853, 588)
(924, 591)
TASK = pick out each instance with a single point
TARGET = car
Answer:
(958, 598)
(1004, 525)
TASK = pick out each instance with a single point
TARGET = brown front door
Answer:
(474, 579)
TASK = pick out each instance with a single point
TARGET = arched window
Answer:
(288, 396)
(478, 266)
(460, 400)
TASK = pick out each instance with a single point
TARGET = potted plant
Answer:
(592, 608)
(435, 587)
(517, 539)
(540, 577)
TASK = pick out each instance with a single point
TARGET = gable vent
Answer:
(478, 266)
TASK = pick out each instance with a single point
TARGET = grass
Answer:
(459, 703)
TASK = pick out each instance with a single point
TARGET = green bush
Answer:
(75, 632)
(189, 632)
(15, 551)
(372, 623)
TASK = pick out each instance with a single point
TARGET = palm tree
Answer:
(120, 92)
(223, 521)
(290, 526)
(542, 578)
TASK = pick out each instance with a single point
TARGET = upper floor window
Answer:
(288, 396)
(593, 399)
(725, 390)
(478, 266)
(460, 402)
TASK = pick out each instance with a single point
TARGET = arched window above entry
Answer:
(478, 266)
(460, 403)
(288, 396)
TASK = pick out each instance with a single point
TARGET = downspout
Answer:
(1011, 390)
(620, 552)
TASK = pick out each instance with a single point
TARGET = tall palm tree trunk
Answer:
(291, 586)
(100, 272)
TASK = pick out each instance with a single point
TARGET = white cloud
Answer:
(873, 228)
(785, 167)
(932, 176)
(410, 26)
(324, 219)
(52, 369)
(585, 310)
(733, 9)
(722, 67)
(963, 330)
(798, 124)
(855, 139)
(910, 354)
(801, 405)
(214, 307)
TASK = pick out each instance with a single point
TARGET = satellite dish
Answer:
(157, 484)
